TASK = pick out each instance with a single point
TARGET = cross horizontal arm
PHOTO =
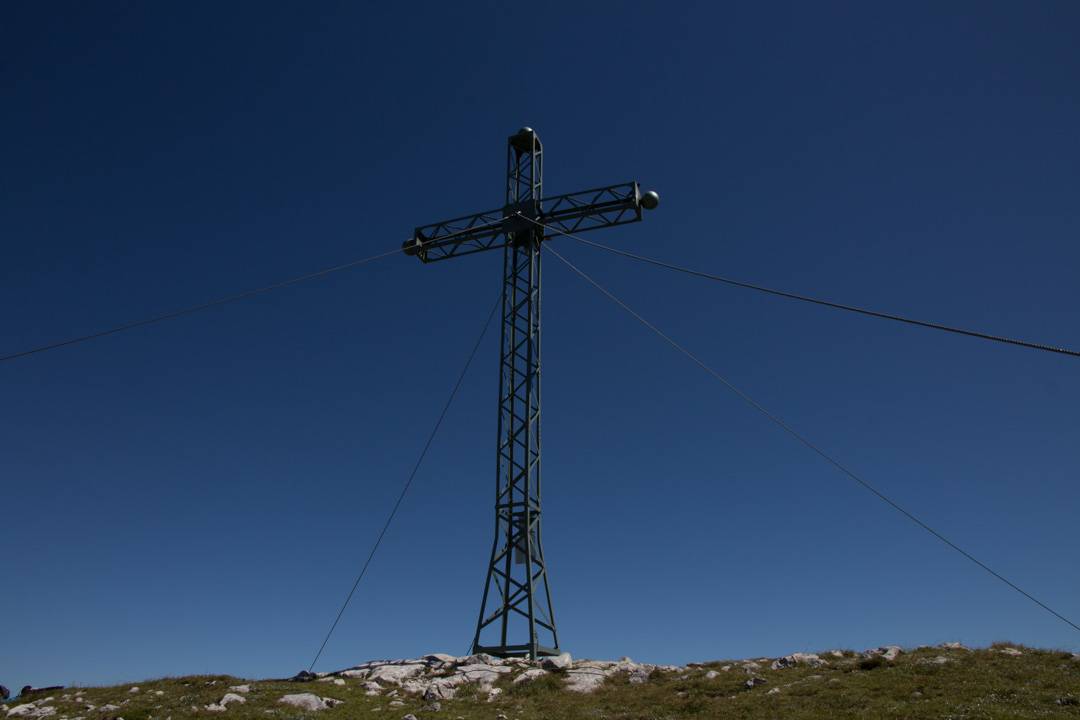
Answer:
(574, 212)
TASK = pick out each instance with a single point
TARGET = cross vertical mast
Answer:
(516, 615)
(517, 570)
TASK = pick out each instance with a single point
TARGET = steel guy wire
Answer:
(795, 434)
(813, 300)
(408, 482)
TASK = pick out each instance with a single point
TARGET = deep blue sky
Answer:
(198, 495)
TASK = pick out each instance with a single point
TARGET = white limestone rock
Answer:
(712, 675)
(309, 701)
(483, 674)
(584, 679)
(797, 659)
(888, 652)
(396, 674)
(235, 688)
(444, 688)
(562, 661)
(530, 675)
(30, 710)
(222, 704)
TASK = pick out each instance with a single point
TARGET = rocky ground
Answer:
(947, 681)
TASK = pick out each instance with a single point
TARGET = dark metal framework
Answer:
(516, 612)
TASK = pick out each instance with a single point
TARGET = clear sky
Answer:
(197, 496)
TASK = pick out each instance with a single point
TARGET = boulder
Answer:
(308, 701)
(797, 658)
(439, 659)
(481, 673)
(584, 679)
(562, 661)
(222, 704)
(887, 652)
(639, 675)
(396, 673)
(712, 675)
(30, 710)
(480, 659)
(530, 675)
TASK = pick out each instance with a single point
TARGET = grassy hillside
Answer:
(924, 683)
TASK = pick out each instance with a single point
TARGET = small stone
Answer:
(410, 716)
(725, 668)
(493, 693)
(639, 675)
(953, 646)
(396, 703)
(235, 688)
(754, 682)
(134, 689)
(159, 693)
(711, 675)
(1009, 651)
(774, 691)
(433, 707)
